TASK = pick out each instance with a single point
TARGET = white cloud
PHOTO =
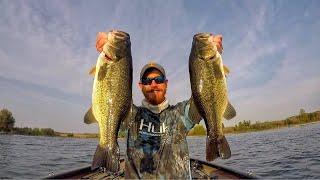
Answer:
(51, 44)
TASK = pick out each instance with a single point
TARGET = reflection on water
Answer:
(283, 153)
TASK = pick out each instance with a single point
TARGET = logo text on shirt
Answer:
(150, 127)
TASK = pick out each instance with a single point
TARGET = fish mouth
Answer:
(202, 36)
(120, 34)
(116, 37)
(204, 46)
(117, 46)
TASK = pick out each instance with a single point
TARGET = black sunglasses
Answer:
(158, 80)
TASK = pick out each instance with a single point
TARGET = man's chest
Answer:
(151, 125)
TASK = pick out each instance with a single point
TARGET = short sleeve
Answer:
(188, 123)
(183, 110)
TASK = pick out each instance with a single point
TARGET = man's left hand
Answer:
(217, 39)
(102, 38)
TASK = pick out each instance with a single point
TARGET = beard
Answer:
(155, 96)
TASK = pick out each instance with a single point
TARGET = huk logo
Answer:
(150, 127)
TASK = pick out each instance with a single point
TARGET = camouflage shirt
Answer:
(156, 142)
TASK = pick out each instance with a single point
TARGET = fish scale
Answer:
(111, 97)
(209, 91)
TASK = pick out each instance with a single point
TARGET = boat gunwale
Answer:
(78, 171)
(68, 174)
(227, 169)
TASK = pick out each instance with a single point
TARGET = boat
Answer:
(199, 170)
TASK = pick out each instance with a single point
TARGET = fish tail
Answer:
(224, 148)
(106, 157)
(212, 151)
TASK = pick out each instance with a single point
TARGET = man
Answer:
(156, 131)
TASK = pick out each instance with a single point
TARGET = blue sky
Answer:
(48, 47)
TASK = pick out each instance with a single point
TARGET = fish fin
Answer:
(230, 112)
(226, 70)
(92, 71)
(212, 151)
(107, 158)
(89, 117)
(224, 148)
(102, 72)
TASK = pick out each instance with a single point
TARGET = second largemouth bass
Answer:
(111, 97)
(209, 91)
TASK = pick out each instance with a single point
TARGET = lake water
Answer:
(290, 153)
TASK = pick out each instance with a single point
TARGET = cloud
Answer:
(39, 106)
(293, 82)
(47, 48)
(37, 47)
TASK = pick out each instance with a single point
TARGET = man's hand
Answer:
(217, 39)
(102, 38)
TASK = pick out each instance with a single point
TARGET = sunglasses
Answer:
(158, 80)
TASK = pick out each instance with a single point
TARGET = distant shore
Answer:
(280, 127)
(242, 127)
(247, 126)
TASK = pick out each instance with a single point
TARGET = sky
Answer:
(48, 47)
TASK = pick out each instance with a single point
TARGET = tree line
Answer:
(248, 126)
(7, 122)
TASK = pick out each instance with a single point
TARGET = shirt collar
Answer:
(155, 108)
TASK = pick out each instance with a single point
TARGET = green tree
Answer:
(302, 111)
(243, 125)
(6, 120)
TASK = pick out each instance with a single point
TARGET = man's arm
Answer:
(189, 112)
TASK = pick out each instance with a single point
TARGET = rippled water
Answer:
(283, 153)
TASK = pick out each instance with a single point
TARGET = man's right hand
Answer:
(102, 38)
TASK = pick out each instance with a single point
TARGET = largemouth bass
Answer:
(111, 97)
(209, 91)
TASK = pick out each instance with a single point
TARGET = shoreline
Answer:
(95, 136)
(280, 127)
(248, 127)
(197, 131)
(262, 130)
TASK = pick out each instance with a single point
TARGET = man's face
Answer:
(154, 93)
